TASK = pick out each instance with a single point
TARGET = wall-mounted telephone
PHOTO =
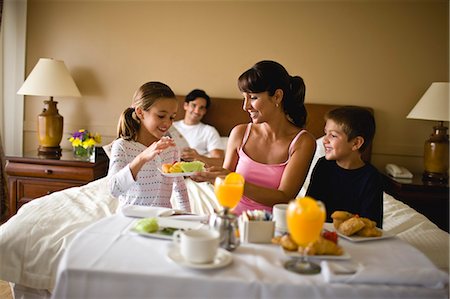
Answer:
(398, 171)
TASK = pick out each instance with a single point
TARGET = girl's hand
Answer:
(157, 147)
(210, 174)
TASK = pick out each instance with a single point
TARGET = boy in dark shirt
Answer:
(341, 179)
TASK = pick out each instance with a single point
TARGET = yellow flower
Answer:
(85, 139)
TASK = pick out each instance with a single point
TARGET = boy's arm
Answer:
(372, 199)
(314, 186)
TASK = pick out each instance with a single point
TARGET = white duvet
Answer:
(32, 242)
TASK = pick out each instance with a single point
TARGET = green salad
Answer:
(147, 225)
(150, 225)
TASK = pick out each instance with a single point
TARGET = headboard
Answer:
(225, 113)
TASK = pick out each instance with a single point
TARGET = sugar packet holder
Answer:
(256, 227)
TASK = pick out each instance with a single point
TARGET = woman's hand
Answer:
(210, 174)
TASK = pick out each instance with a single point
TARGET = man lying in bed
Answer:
(341, 179)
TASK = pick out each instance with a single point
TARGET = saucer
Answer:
(222, 259)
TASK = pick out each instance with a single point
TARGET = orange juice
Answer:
(229, 189)
(305, 218)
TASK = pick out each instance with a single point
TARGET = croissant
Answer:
(339, 217)
(351, 226)
(368, 223)
(286, 242)
(369, 232)
(321, 247)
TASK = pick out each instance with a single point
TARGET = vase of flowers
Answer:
(83, 143)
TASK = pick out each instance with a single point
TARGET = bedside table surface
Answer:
(417, 183)
(66, 158)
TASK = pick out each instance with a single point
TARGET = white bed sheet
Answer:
(32, 242)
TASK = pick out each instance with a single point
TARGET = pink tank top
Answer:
(267, 175)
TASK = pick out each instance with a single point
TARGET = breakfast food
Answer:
(180, 167)
(147, 225)
(339, 217)
(151, 226)
(350, 224)
(286, 242)
(325, 245)
(369, 232)
(322, 247)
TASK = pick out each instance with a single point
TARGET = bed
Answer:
(33, 241)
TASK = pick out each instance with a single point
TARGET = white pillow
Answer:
(320, 152)
(224, 140)
(107, 149)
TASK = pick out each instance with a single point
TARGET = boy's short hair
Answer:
(355, 121)
(198, 93)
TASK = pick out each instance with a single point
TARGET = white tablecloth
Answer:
(107, 261)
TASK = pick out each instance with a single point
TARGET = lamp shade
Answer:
(434, 103)
(51, 78)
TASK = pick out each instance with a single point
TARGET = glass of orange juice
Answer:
(305, 218)
(229, 190)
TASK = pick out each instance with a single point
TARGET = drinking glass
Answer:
(229, 190)
(305, 218)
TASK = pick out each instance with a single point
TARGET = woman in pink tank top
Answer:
(273, 152)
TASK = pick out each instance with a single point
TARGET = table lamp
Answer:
(50, 78)
(434, 106)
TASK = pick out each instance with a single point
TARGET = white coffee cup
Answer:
(279, 216)
(197, 246)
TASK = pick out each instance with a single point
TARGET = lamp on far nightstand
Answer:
(50, 78)
(434, 106)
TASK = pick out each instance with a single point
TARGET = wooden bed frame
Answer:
(225, 113)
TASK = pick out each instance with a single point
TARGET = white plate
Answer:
(296, 254)
(177, 174)
(167, 222)
(156, 235)
(222, 259)
(385, 235)
(356, 238)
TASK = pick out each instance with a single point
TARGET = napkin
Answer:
(145, 212)
(141, 211)
(349, 272)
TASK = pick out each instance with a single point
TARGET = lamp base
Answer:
(436, 155)
(50, 126)
(49, 152)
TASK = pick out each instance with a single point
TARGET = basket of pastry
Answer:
(349, 224)
(327, 244)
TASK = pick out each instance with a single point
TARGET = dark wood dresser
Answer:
(31, 176)
(429, 199)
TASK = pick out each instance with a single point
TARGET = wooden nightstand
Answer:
(429, 199)
(31, 176)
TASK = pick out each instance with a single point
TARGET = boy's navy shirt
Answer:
(358, 191)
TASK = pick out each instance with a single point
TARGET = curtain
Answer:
(3, 181)
(3, 187)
